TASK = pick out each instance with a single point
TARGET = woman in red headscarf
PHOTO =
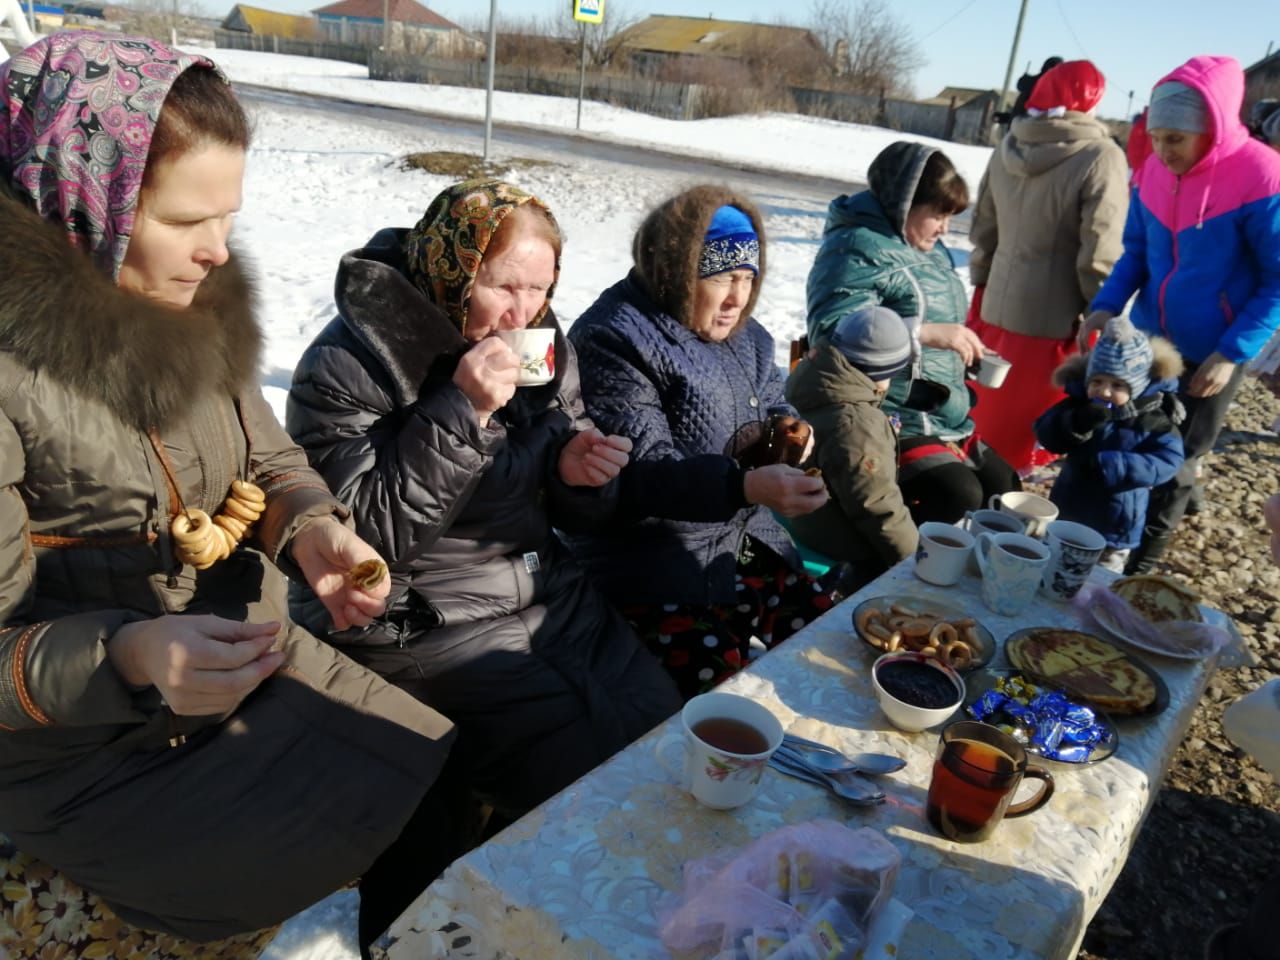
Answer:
(1046, 233)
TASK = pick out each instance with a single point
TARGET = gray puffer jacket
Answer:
(463, 515)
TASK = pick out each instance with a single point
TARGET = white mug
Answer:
(992, 369)
(941, 552)
(1035, 511)
(1074, 550)
(990, 521)
(718, 775)
(535, 349)
(1012, 565)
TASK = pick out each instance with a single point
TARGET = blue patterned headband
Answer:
(730, 244)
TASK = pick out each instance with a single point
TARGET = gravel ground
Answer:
(1213, 834)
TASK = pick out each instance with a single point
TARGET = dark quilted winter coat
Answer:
(679, 399)
(260, 812)
(1107, 476)
(490, 620)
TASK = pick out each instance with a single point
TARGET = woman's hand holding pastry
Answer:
(590, 459)
(201, 665)
(784, 489)
(327, 552)
(486, 374)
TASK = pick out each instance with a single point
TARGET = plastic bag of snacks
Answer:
(809, 891)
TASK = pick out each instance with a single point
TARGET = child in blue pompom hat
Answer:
(1118, 429)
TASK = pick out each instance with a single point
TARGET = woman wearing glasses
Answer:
(671, 358)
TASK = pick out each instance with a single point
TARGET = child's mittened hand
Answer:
(1088, 417)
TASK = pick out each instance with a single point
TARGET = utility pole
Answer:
(582, 72)
(1128, 110)
(386, 27)
(1013, 54)
(488, 93)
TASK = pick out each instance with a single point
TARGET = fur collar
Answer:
(410, 336)
(61, 316)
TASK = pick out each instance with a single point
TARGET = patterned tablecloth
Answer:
(582, 875)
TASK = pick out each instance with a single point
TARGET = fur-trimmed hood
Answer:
(1166, 364)
(668, 245)
(62, 316)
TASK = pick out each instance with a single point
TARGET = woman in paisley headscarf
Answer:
(407, 404)
(193, 766)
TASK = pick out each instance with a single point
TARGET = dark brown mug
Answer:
(975, 775)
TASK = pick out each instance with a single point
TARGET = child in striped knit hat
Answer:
(1118, 429)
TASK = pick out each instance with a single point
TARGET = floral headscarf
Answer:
(79, 112)
(446, 247)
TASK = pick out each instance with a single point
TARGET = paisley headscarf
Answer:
(79, 112)
(446, 247)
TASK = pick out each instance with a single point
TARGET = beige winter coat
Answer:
(1047, 229)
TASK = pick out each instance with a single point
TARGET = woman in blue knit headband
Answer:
(672, 358)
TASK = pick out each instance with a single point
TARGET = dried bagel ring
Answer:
(918, 627)
(956, 654)
(251, 492)
(903, 611)
(878, 630)
(247, 512)
(896, 620)
(209, 554)
(367, 574)
(862, 622)
(236, 528)
(893, 643)
(191, 527)
(942, 634)
(229, 540)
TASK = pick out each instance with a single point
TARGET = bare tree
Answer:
(602, 38)
(873, 50)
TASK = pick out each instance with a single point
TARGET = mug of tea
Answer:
(535, 349)
(1074, 550)
(941, 552)
(1012, 566)
(992, 369)
(975, 774)
(1035, 512)
(989, 521)
(728, 741)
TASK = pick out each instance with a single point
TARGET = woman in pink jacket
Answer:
(1202, 256)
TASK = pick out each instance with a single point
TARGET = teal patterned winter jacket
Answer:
(865, 261)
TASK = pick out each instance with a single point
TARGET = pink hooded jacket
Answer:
(1202, 251)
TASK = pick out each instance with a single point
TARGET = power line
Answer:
(1070, 30)
(949, 19)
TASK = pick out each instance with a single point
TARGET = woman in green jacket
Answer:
(881, 247)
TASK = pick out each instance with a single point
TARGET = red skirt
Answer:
(1005, 417)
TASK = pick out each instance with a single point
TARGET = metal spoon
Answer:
(853, 789)
(830, 760)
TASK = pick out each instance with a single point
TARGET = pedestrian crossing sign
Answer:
(588, 11)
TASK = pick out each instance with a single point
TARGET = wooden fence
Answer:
(675, 101)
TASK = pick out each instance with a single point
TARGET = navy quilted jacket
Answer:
(679, 399)
(1106, 479)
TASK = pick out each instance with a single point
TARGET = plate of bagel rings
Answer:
(932, 627)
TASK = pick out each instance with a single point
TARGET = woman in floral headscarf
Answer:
(407, 404)
(192, 765)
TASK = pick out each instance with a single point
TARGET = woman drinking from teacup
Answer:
(188, 765)
(673, 360)
(409, 404)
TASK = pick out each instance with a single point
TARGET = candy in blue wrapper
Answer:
(1084, 736)
(1074, 753)
(1048, 734)
(1080, 715)
(989, 704)
(1050, 704)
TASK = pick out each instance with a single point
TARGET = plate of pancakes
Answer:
(1089, 668)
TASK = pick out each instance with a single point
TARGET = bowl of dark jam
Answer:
(916, 691)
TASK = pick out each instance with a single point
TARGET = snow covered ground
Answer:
(320, 184)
